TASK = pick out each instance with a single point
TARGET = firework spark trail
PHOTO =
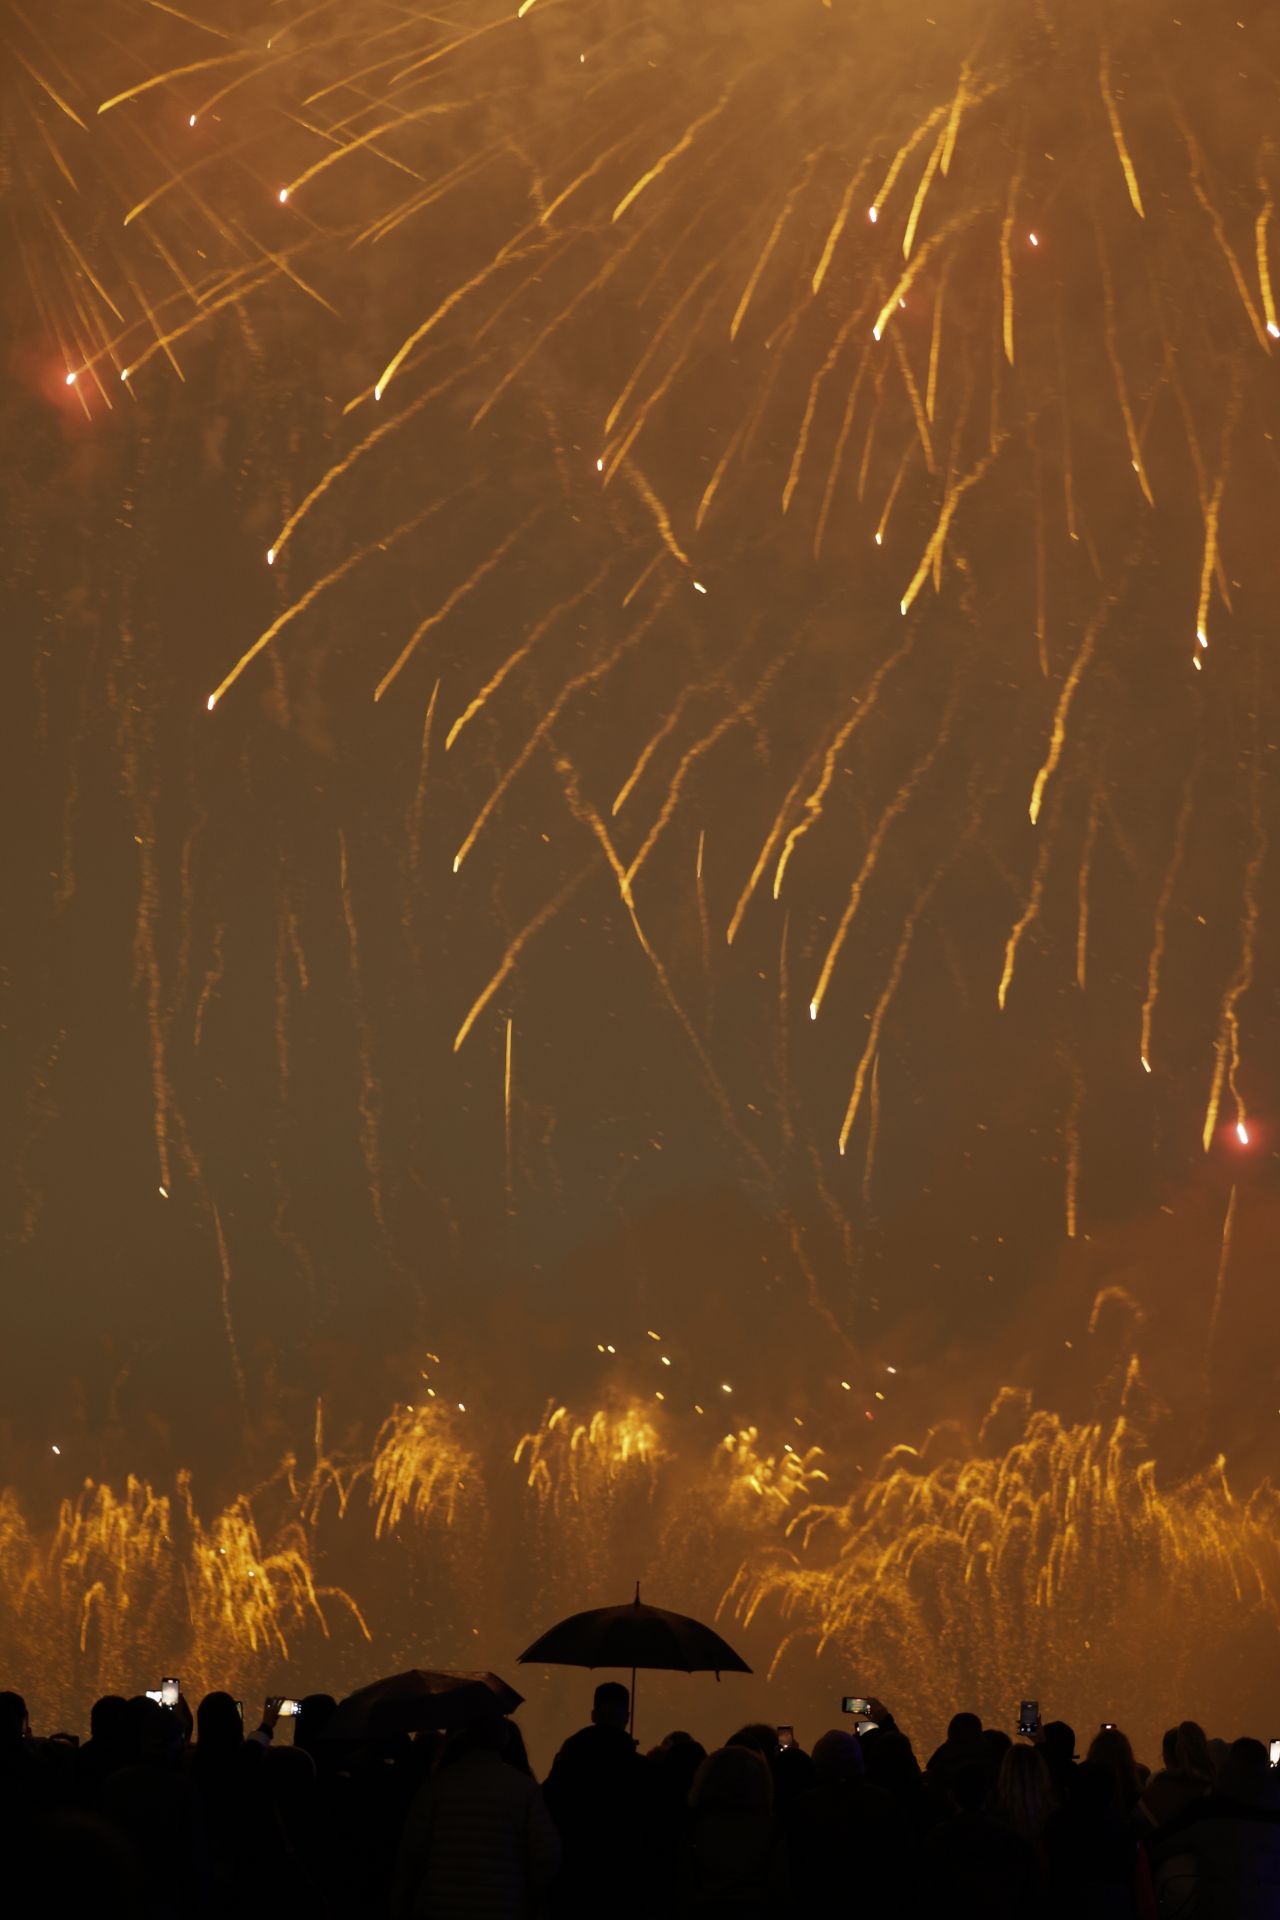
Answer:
(1071, 1132)
(1264, 267)
(506, 1122)
(863, 706)
(578, 683)
(1058, 733)
(842, 441)
(1156, 957)
(1220, 1278)
(922, 194)
(873, 1132)
(938, 539)
(520, 653)
(855, 317)
(1117, 132)
(694, 753)
(588, 816)
(459, 593)
(313, 593)
(368, 1105)
(516, 946)
(228, 1323)
(672, 154)
(418, 808)
(1082, 889)
(1226, 1066)
(917, 404)
(892, 810)
(1212, 512)
(1030, 913)
(872, 1048)
(213, 976)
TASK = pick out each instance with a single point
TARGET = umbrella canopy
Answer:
(410, 1702)
(634, 1636)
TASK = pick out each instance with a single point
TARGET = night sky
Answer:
(720, 879)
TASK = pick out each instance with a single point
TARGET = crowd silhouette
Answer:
(158, 1815)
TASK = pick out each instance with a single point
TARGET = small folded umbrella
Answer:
(634, 1636)
(409, 1702)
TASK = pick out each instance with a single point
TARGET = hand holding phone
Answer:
(290, 1709)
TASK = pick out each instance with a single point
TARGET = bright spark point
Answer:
(71, 379)
(124, 373)
(1202, 636)
(1195, 661)
(725, 1387)
(879, 540)
(1146, 1064)
(698, 587)
(1034, 239)
(1273, 330)
(461, 1407)
(813, 1009)
(1242, 1133)
(873, 215)
(211, 702)
(191, 122)
(284, 195)
(271, 556)
(164, 1193)
(58, 1451)
(600, 466)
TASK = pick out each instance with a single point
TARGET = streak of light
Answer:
(478, 573)
(1025, 919)
(837, 228)
(681, 146)
(872, 1048)
(1082, 891)
(1058, 733)
(1117, 132)
(1220, 1277)
(174, 73)
(578, 683)
(922, 194)
(516, 946)
(891, 812)
(313, 592)
(862, 707)
(228, 1323)
(367, 1102)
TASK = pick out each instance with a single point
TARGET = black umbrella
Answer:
(634, 1636)
(408, 1702)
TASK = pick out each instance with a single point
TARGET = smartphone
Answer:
(786, 1737)
(1028, 1716)
(1275, 1753)
(169, 1692)
(290, 1709)
(854, 1703)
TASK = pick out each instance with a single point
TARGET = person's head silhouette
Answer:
(611, 1706)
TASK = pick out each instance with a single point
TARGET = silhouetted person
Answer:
(977, 1866)
(892, 1765)
(110, 1745)
(844, 1833)
(733, 1866)
(223, 1769)
(962, 1746)
(1111, 1750)
(1220, 1858)
(1058, 1745)
(1023, 1797)
(1187, 1774)
(150, 1803)
(308, 1728)
(596, 1794)
(478, 1842)
(1096, 1866)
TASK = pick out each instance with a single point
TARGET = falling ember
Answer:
(1242, 1133)
(283, 195)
